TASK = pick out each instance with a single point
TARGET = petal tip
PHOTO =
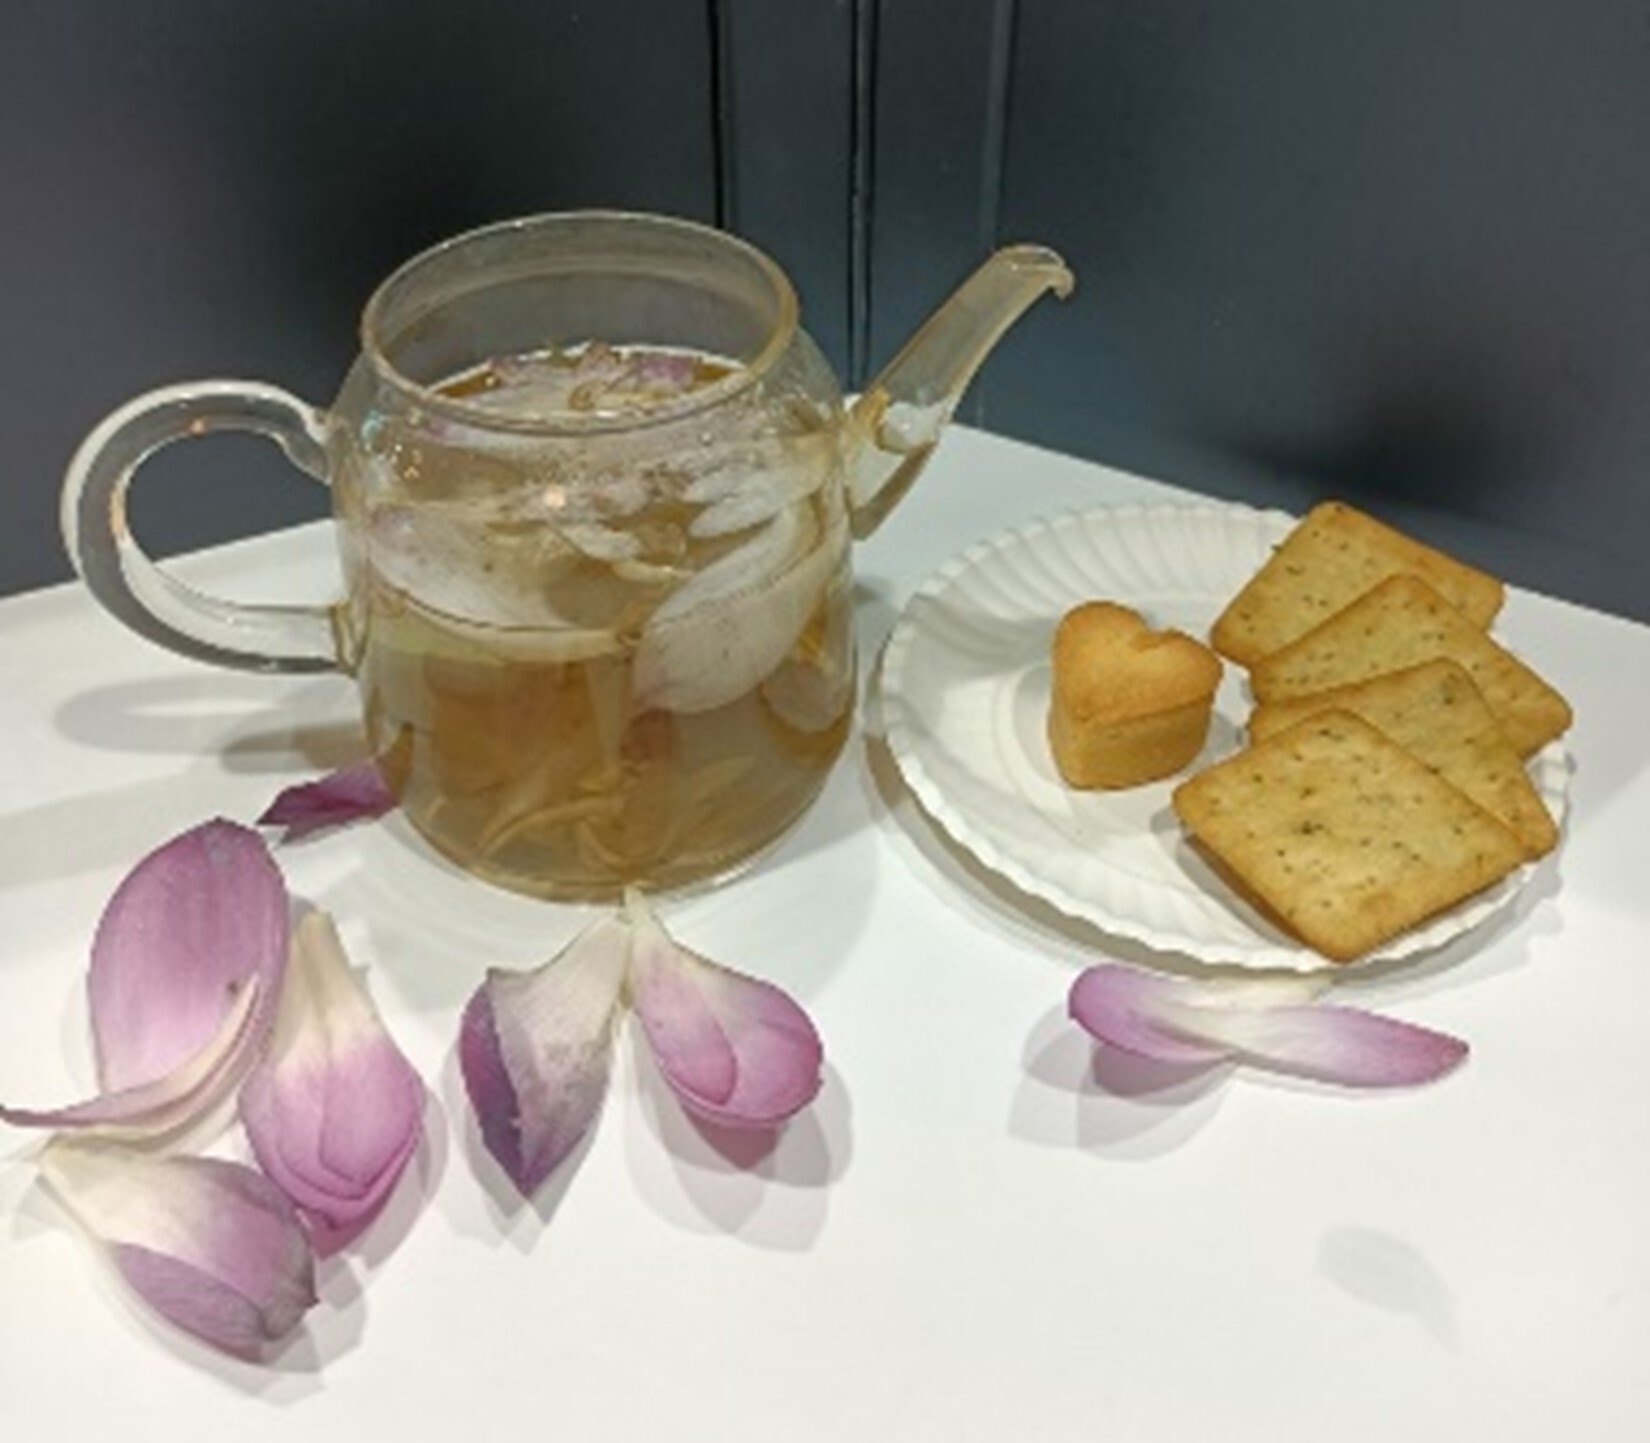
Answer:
(735, 1049)
(535, 1050)
(333, 1110)
(355, 793)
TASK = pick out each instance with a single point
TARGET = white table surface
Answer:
(975, 1232)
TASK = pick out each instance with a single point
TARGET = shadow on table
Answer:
(216, 722)
(291, 1368)
(255, 723)
(1392, 1275)
(1075, 1093)
(765, 1186)
(768, 1187)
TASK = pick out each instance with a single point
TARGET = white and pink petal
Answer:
(186, 967)
(191, 925)
(169, 1103)
(1344, 1045)
(212, 1246)
(1188, 1023)
(735, 1049)
(333, 1109)
(1123, 1007)
(535, 1051)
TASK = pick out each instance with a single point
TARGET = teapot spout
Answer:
(897, 421)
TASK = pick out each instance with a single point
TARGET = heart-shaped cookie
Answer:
(1129, 704)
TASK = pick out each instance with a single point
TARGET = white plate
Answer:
(965, 685)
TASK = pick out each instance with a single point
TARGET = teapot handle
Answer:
(896, 423)
(136, 591)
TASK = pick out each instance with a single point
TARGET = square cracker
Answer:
(1403, 622)
(1334, 554)
(1435, 711)
(1342, 835)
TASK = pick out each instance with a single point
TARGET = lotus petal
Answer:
(535, 1048)
(601, 542)
(454, 555)
(1182, 1022)
(1331, 1044)
(333, 1109)
(717, 637)
(354, 794)
(170, 1102)
(212, 1246)
(192, 924)
(760, 488)
(734, 1049)
(1121, 1006)
(669, 372)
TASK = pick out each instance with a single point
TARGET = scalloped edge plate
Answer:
(964, 691)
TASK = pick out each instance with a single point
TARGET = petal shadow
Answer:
(1077, 1093)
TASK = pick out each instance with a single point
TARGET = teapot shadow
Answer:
(215, 721)
(208, 712)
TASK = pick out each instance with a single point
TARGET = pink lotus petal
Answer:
(172, 1101)
(666, 371)
(534, 1048)
(211, 1246)
(191, 925)
(1120, 1006)
(1330, 1044)
(733, 1048)
(355, 794)
(1182, 1022)
(333, 1109)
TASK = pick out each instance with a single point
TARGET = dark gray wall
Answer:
(191, 188)
(1395, 251)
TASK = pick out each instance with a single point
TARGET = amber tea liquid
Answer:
(578, 683)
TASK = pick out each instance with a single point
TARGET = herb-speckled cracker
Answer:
(1333, 555)
(1435, 711)
(1345, 837)
(1403, 622)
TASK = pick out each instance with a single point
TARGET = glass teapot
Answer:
(595, 490)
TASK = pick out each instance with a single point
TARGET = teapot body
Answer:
(594, 490)
(590, 494)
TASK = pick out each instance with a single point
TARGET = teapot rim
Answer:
(376, 337)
